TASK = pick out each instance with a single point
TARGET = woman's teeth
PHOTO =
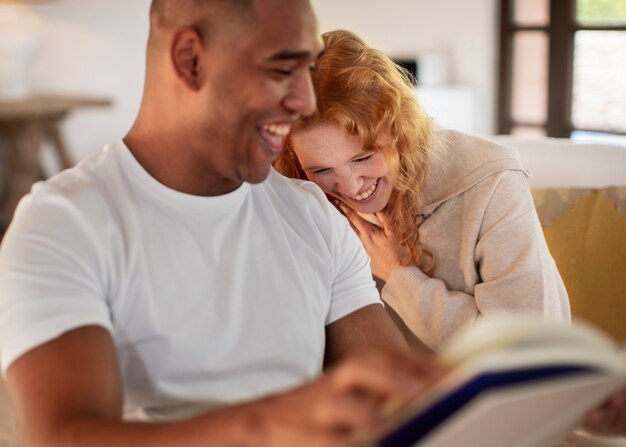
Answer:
(365, 194)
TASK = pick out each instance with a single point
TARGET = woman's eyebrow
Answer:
(314, 168)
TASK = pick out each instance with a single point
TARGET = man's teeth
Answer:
(365, 194)
(278, 129)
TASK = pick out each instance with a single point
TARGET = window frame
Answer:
(560, 30)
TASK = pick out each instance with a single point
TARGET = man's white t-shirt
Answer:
(209, 300)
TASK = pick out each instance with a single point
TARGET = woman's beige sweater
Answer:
(481, 226)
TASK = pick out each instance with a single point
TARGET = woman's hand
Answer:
(379, 242)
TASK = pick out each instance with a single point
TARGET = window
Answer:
(563, 68)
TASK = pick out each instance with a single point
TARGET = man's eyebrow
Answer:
(294, 55)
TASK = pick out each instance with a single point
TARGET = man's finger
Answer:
(386, 375)
(348, 412)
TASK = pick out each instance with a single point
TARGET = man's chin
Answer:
(257, 176)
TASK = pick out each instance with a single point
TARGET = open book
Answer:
(516, 382)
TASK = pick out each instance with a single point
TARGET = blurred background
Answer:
(71, 71)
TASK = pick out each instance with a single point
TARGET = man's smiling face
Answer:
(257, 88)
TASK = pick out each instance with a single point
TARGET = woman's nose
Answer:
(349, 185)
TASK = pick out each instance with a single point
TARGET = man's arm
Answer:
(68, 392)
(367, 328)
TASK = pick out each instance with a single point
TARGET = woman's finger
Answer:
(361, 225)
(384, 222)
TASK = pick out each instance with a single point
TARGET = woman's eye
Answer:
(320, 171)
(362, 159)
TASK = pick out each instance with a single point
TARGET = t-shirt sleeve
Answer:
(51, 275)
(353, 285)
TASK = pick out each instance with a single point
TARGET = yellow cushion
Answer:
(586, 232)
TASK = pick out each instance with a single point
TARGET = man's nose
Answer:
(301, 96)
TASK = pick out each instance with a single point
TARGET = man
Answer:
(175, 278)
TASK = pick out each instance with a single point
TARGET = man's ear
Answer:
(187, 55)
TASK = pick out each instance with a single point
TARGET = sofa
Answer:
(580, 196)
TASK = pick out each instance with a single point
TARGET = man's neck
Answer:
(173, 167)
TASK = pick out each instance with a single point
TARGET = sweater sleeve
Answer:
(515, 272)
(429, 309)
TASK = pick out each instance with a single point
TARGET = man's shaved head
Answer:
(223, 79)
(205, 16)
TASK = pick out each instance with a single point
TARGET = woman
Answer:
(447, 218)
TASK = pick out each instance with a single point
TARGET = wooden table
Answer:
(27, 124)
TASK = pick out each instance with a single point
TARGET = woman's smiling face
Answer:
(336, 161)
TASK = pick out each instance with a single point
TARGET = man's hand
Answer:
(355, 397)
(379, 242)
(610, 417)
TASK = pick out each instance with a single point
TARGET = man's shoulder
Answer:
(80, 174)
(295, 197)
(80, 187)
(296, 188)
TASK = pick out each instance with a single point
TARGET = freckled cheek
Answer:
(326, 184)
(373, 171)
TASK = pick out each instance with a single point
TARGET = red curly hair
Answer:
(363, 91)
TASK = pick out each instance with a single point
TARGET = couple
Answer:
(175, 278)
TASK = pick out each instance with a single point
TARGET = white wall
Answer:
(94, 48)
(97, 48)
(466, 30)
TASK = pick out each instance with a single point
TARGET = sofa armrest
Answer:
(585, 229)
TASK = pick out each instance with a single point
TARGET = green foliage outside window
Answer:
(601, 11)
